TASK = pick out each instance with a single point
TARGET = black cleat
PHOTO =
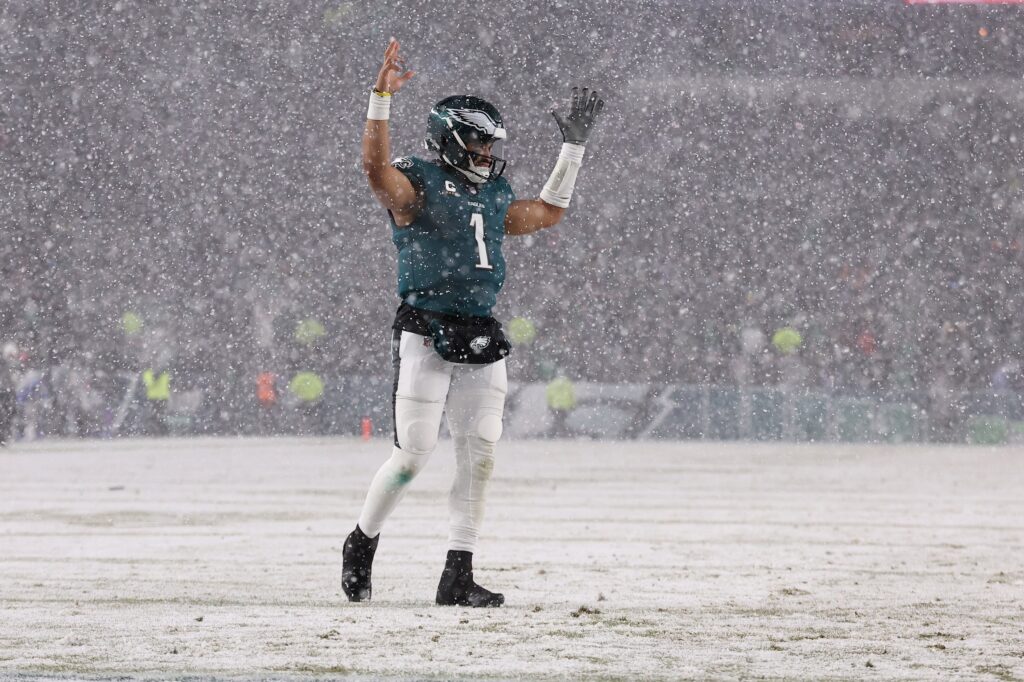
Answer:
(356, 564)
(457, 587)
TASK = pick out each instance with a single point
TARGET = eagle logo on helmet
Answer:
(479, 120)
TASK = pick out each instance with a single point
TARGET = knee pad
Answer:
(488, 427)
(477, 415)
(420, 437)
(416, 425)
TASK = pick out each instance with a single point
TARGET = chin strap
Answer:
(472, 176)
(558, 189)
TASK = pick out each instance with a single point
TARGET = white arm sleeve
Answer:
(559, 187)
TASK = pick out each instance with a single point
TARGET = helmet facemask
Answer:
(478, 167)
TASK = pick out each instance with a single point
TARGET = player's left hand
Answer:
(583, 112)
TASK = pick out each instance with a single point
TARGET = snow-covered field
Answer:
(221, 559)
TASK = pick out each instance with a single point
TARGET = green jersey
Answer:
(449, 257)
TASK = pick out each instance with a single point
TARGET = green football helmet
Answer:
(458, 122)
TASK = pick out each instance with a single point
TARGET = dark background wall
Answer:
(848, 169)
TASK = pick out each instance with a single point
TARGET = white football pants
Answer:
(425, 388)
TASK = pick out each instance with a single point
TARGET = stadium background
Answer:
(848, 170)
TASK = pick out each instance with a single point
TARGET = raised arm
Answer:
(529, 215)
(392, 189)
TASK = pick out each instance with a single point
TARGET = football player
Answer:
(449, 216)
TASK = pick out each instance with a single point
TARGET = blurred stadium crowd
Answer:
(812, 195)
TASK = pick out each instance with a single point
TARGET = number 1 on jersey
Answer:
(477, 222)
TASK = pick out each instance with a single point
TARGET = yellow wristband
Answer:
(381, 93)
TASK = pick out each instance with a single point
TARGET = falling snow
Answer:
(798, 220)
(847, 170)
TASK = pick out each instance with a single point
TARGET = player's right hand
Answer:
(393, 74)
(579, 122)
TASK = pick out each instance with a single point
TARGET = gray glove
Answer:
(583, 113)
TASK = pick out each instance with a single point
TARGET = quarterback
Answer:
(448, 217)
